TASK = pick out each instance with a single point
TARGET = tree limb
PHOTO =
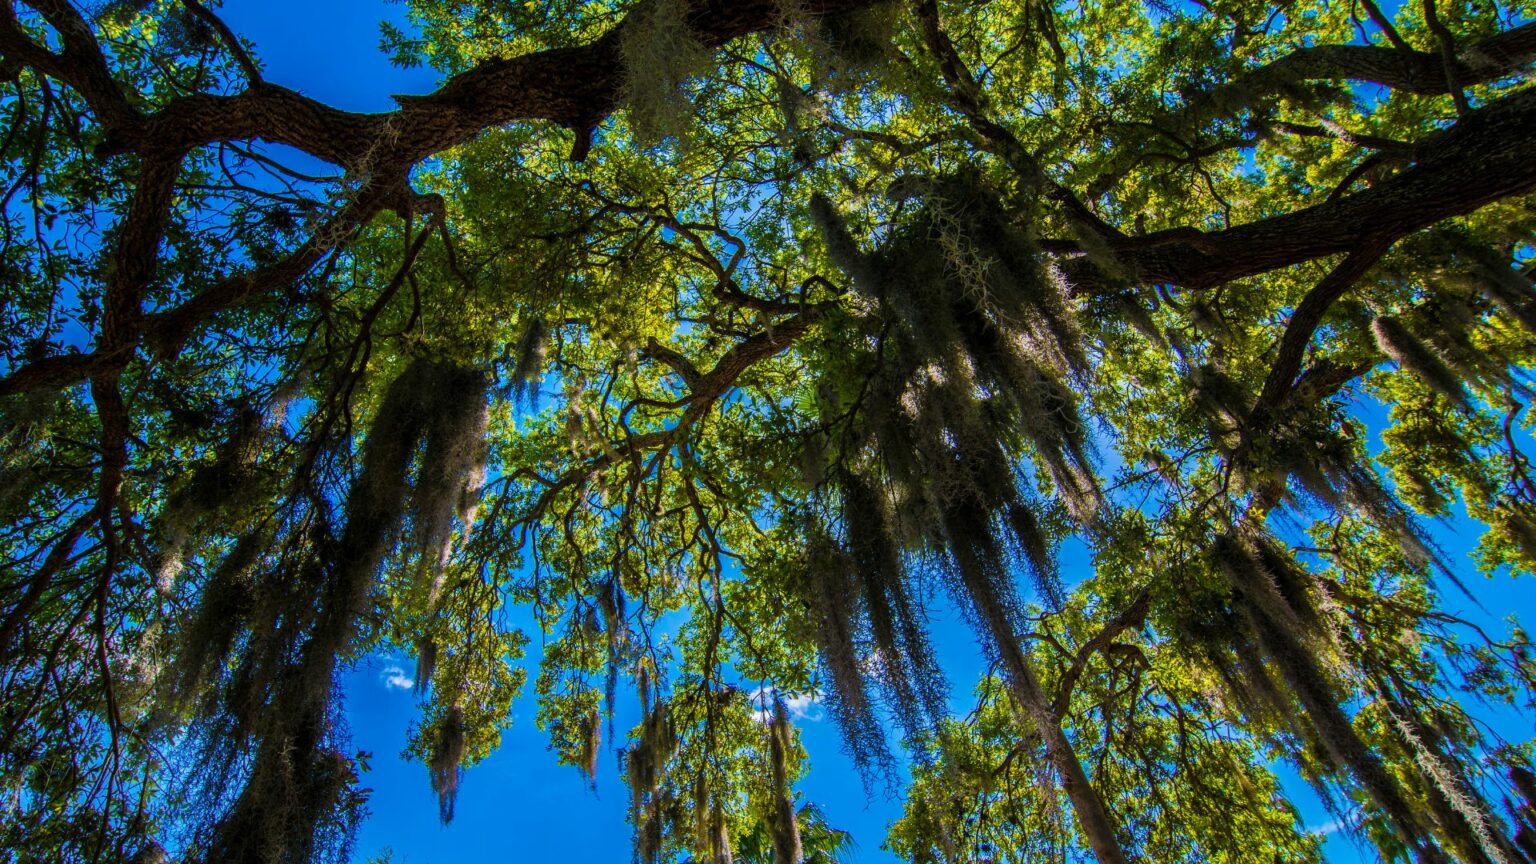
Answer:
(1482, 159)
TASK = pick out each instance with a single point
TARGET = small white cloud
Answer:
(800, 707)
(1344, 823)
(805, 707)
(396, 678)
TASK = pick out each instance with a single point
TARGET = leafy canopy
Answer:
(726, 342)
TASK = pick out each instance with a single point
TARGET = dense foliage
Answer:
(733, 337)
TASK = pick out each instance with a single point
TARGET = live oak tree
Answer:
(731, 338)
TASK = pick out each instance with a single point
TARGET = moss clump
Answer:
(661, 52)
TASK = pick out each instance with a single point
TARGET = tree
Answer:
(727, 336)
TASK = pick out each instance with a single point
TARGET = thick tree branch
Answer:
(81, 64)
(1418, 72)
(679, 362)
(575, 87)
(1304, 322)
(132, 261)
(1482, 159)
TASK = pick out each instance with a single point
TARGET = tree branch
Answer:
(81, 64)
(1410, 71)
(1304, 322)
(228, 37)
(1482, 159)
(1133, 616)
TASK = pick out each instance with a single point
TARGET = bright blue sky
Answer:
(518, 805)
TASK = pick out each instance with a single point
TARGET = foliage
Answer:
(732, 341)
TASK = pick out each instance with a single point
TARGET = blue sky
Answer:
(518, 805)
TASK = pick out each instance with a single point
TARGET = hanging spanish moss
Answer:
(1034, 549)
(783, 824)
(1223, 403)
(528, 369)
(976, 340)
(276, 614)
(1305, 447)
(1264, 577)
(294, 806)
(1507, 287)
(376, 504)
(1457, 319)
(661, 52)
(703, 830)
(646, 764)
(1461, 814)
(1206, 628)
(212, 491)
(841, 246)
(278, 702)
(1523, 811)
(1396, 342)
(1521, 529)
(1271, 606)
(276, 706)
(651, 832)
(447, 756)
(23, 427)
(426, 664)
(833, 592)
(907, 668)
(207, 641)
(712, 839)
(591, 744)
(978, 566)
(647, 760)
(1363, 491)
(610, 601)
(452, 467)
(972, 371)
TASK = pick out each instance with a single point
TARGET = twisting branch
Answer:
(1409, 71)
(81, 64)
(1134, 615)
(707, 389)
(1298, 333)
(576, 87)
(228, 37)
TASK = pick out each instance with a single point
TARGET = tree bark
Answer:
(1087, 807)
(1092, 818)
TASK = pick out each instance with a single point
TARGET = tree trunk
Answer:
(1087, 806)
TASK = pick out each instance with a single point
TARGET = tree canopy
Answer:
(732, 338)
